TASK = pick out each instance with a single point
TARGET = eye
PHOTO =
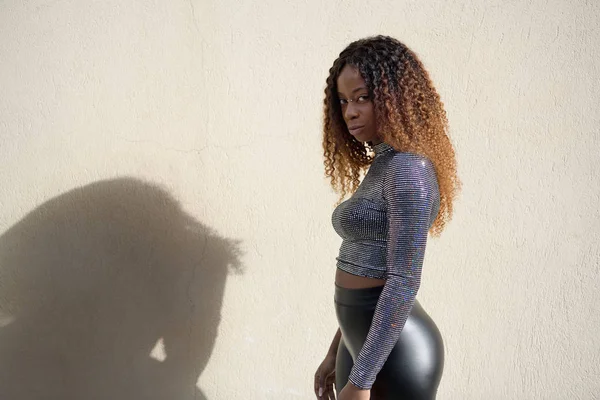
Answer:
(343, 102)
(362, 99)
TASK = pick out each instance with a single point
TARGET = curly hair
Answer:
(409, 114)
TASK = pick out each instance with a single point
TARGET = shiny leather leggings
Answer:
(414, 367)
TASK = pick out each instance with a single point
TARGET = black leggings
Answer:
(414, 367)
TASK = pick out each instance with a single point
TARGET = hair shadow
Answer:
(110, 291)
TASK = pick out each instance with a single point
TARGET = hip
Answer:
(355, 309)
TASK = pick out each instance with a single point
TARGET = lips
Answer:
(355, 129)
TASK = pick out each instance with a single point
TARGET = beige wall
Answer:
(164, 217)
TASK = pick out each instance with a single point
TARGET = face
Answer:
(357, 106)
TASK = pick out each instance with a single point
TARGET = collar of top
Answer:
(382, 148)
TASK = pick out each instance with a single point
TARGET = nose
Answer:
(350, 111)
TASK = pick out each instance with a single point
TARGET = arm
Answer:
(410, 193)
(335, 343)
(325, 375)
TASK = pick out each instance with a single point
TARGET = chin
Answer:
(361, 138)
(365, 140)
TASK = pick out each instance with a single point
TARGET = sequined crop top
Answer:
(384, 229)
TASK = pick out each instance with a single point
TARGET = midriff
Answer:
(349, 281)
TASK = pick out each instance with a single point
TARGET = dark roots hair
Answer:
(409, 116)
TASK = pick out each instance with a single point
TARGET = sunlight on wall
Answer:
(158, 352)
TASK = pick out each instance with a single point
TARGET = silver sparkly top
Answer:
(384, 229)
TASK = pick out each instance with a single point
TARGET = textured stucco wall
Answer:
(164, 220)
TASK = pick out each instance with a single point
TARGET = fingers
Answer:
(329, 393)
(319, 384)
(316, 384)
(323, 384)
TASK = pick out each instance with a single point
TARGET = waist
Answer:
(368, 298)
(352, 281)
(357, 296)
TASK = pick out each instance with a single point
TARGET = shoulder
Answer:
(410, 181)
(409, 174)
(405, 165)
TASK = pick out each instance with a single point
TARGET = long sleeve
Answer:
(411, 195)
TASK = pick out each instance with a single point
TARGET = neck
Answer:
(380, 147)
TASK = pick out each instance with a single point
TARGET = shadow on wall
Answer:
(110, 291)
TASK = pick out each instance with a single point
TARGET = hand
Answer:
(351, 392)
(325, 378)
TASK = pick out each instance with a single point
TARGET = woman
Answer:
(383, 113)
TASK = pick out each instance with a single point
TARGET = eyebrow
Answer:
(355, 90)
